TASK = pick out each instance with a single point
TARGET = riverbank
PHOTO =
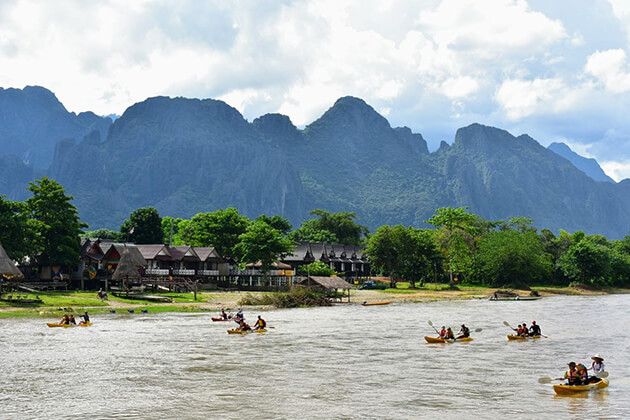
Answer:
(54, 304)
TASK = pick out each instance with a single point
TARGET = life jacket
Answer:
(262, 323)
(582, 372)
(443, 334)
(449, 334)
(571, 375)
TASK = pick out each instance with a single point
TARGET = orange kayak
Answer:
(445, 340)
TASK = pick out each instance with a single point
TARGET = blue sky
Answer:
(556, 70)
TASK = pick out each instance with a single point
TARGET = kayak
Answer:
(520, 337)
(56, 324)
(245, 332)
(445, 340)
(220, 319)
(572, 389)
(382, 302)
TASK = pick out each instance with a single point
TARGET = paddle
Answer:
(431, 324)
(548, 380)
(507, 324)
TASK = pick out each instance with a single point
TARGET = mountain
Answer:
(185, 156)
(587, 165)
(32, 121)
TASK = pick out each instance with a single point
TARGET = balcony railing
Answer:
(157, 271)
(208, 272)
(183, 272)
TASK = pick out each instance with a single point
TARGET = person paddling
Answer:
(534, 329)
(260, 324)
(65, 320)
(442, 333)
(597, 367)
(72, 321)
(86, 319)
(449, 334)
(463, 332)
(223, 314)
(244, 326)
(572, 376)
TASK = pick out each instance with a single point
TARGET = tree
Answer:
(456, 235)
(310, 234)
(511, 257)
(342, 225)
(174, 227)
(144, 226)
(586, 262)
(220, 229)
(57, 222)
(18, 234)
(317, 268)
(102, 234)
(263, 243)
(403, 253)
(277, 222)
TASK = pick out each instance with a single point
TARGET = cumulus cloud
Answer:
(610, 67)
(521, 98)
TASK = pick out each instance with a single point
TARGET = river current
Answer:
(346, 361)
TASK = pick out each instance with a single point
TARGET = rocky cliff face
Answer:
(587, 165)
(185, 156)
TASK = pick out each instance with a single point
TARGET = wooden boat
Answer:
(520, 337)
(246, 332)
(514, 298)
(572, 389)
(56, 324)
(433, 340)
(382, 302)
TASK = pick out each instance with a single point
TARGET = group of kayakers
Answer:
(239, 318)
(69, 319)
(447, 333)
(532, 331)
(578, 373)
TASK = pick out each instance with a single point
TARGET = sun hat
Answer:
(597, 356)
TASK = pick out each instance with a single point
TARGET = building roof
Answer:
(183, 252)
(153, 252)
(7, 267)
(126, 268)
(208, 253)
(327, 282)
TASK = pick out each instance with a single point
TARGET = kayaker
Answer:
(243, 326)
(260, 324)
(65, 320)
(523, 331)
(71, 320)
(449, 334)
(86, 318)
(598, 364)
(223, 314)
(582, 372)
(442, 332)
(534, 329)
(464, 331)
(572, 376)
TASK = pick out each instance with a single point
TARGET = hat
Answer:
(533, 322)
(572, 364)
(597, 356)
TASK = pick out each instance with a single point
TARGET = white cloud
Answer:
(521, 98)
(617, 170)
(610, 67)
(460, 87)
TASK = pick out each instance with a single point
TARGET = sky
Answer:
(557, 70)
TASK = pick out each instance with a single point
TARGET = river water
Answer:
(345, 361)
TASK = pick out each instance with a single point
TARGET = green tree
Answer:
(317, 268)
(261, 242)
(309, 234)
(18, 234)
(277, 222)
(102, 234)
(220, 229)
(402, 253)
(586, 261)
(511, 257)
(57, 222)
(144, 226)
(456, 235)
(342, 225)
(174, 227)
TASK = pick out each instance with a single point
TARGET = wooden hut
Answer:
(126, 269)
(7, 267)
(332, 284)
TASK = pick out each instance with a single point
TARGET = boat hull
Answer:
(384, 302)
(220, 319)
(246, 332)
(521, 338)
(58, 325)
(573, 389)
(433, 340)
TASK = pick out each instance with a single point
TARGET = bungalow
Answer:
(348, 260)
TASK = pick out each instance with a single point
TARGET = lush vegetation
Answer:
(294, 298)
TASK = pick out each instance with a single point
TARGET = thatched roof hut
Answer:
(126, 268)
(7, 267)
(331, 283)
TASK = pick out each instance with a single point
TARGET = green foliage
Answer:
(342, 225)
(510, 257)
(279, 223)
(317, 268)
(310, 234)
(220, 229)
(587, 261)
(174, 226)
(144, 226)
(56, 221)
(18, 234)
(263, 243)
(102, 234)
(295, 298)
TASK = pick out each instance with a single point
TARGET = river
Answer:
(345, 361)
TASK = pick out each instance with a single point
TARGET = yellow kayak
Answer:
(520, 337)
(56, 324)
(382, 302)
(245, 332)
(572, 389)
(445, 340)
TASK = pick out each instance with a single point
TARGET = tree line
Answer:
(461, 248)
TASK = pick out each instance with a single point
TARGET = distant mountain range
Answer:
(185, 156)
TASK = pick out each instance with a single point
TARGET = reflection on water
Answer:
(346, 361)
